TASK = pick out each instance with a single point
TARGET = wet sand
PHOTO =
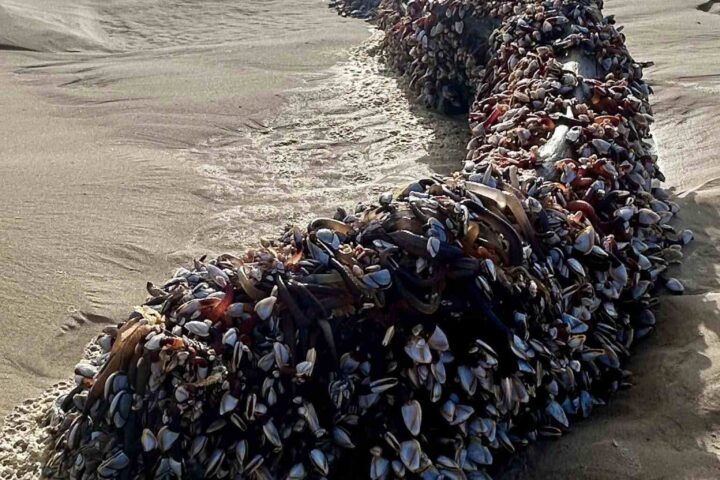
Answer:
(190, 127)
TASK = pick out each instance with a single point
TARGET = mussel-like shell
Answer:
(467, 379)
(217, 275)
(438, 340)
(411, 455)
(197, 445)
(282, 354)
(213, 463)
(228, 403)
(167, 438)
(297, 472)
(154, 343)
(272, 434)
(148, 440)
(418, 350)
(254, 464)
(479, 453)
(383, 384)
(585, 240)
(86, 370)
(557, 413)
(380, 279)
(448, 410)
(230, 337)
(201, 329)
(647, 217)
(379, 467)
(412, 416)
(120, 408)
(342, 438)
(264, 307)
(319, 461)
(674, 286)
(398, 468)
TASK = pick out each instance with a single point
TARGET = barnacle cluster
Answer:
(433, 332)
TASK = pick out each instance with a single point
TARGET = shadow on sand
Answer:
(446, 150)
(663, 426)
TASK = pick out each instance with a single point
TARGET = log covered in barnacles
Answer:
(435, 331)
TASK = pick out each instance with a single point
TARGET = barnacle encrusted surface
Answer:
(431, 332)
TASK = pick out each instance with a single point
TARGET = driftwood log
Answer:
(429, 334)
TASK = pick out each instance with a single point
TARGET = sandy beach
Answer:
(140, 134)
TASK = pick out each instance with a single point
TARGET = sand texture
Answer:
(139, 134)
